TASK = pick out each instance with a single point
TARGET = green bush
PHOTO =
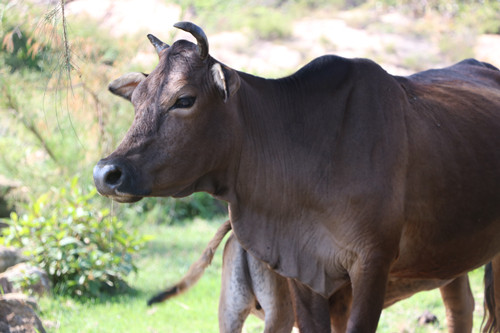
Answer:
(84, 250)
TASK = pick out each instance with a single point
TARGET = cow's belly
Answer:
(439, 253)
(401, 288)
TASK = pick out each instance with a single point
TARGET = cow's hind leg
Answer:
(311, 309)
(459, 303)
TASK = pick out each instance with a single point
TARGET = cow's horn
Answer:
(158, 44)
(200, 36)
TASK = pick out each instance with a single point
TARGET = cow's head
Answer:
(184, 128)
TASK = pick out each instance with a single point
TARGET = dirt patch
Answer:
(397, 52)
(125, 17)
(488, 49)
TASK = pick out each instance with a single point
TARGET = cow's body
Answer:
(249, 286)
(339, 173)
(411, 189)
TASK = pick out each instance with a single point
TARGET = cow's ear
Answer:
(226, 80)
(125, 85)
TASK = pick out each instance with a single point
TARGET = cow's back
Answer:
(453, 177)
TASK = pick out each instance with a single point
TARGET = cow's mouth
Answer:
(130, 198)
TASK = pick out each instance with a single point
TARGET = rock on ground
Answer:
(9, 256)
(17, 316)
(37, 279)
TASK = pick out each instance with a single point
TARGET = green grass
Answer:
(166, 259)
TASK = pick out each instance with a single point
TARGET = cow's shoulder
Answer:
(328, 70)
(333, 71)
(355, 65)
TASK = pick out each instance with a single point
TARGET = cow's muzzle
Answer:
(115, 179)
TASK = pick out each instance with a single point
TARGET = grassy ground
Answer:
(165, 260)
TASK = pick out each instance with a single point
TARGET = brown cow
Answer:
(249, 286)
(337, 174)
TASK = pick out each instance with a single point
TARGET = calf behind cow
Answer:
(249, 286)
(337, 174)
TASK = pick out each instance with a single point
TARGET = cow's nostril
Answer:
(113, 176)
(108, 177)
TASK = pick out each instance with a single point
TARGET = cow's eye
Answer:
(183, 103)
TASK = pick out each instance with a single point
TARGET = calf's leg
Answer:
(236, 297)
(273, 295)
(340, 307)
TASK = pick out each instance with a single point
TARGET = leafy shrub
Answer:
(84, 250)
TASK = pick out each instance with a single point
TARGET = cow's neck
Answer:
(303, 134)
(289, 138)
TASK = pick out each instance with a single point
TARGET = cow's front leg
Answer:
(311, 309)
(369, 281)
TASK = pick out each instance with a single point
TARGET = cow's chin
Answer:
(125, 199)
(131, 198)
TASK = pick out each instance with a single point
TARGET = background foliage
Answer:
(84, 250)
